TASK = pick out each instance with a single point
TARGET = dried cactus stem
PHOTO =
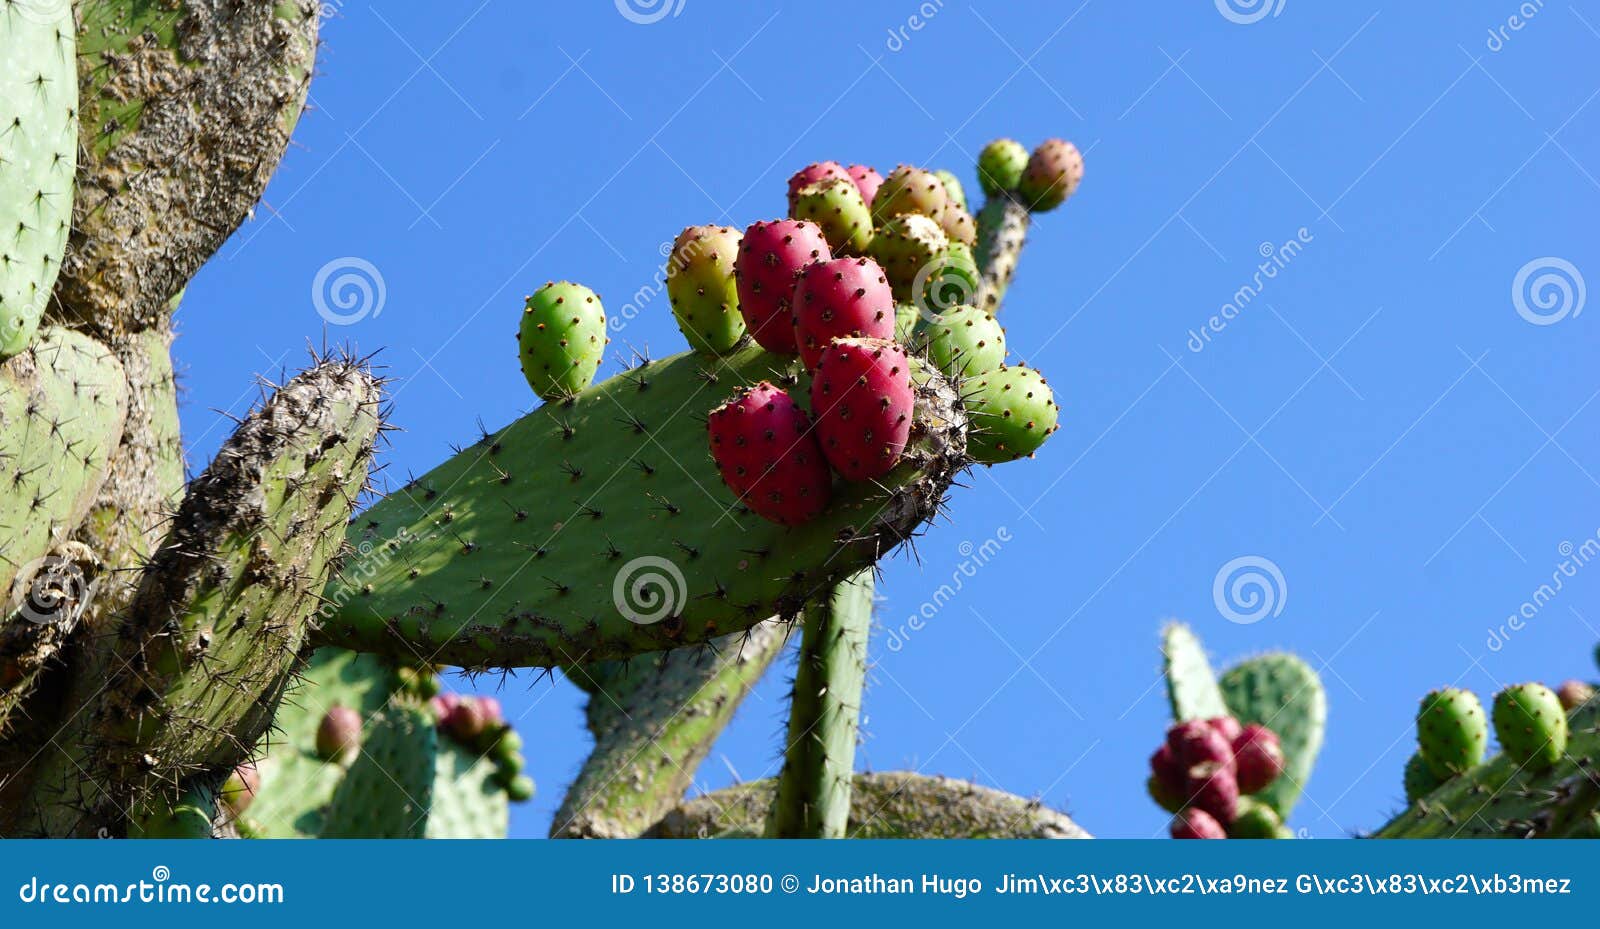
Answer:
(812, 800)
(1002, 231)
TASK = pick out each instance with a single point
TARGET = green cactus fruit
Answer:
(38, 156)
(700, 283)
(1531, 725)
(907, 316)
(1000, 166)
(958, 226)
(965, 342)
(1013, 411)
(1283, 693)
(1452, 731)
(562, 339)
(951, 281)
(1052, 175)
(909, 190)
(952, 189)
(600, 528)
(907, 247)
(388, 791)
(187, 107)
(836, 206)
(240, 789)
(1257, 820)
(1419, 778)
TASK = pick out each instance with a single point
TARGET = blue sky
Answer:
(1408, 439)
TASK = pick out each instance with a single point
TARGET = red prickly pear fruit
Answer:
(1166, 780)
(767, 454)
(837, 299)
(492, 713)
(1211, 786)
(339, 734)
(442, 705)
(867, 179)
(1257, 758)
(466, 721)
(861, 393)
(241, 787)
(1197, 824)
(1227, 727)
(1574, 694)
(1194, 742)
(770, 258)
(812, 174)
(1053, 172)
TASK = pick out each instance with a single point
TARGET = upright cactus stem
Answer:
(812, 800)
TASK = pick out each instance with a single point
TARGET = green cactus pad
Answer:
(701, 286)
(1192, 689)
(187, 106)
(1452, 731)
(1000, 166)
(835, 205)
(562, 339)
(1419, 778)
(38, 157)
(1284, 694)
(952, 188)
(906, 247)
(654, 720)
(813, 796)
(468, 802)
(62, 407)
(1013, 412)
(965, 342)
(598, 528)
(388, 790)
(1531, 725)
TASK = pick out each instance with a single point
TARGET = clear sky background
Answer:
(1382, 424)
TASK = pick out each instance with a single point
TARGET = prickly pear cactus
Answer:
(388, 789)
(38, 157)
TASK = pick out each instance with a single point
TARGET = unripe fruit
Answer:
(1012, 412)
(767, 454)
(837, 299)
(1000, 165)
(1420, 779)
(1452, 731)
(702, 288)
(771, 256)
(835, 205)
(1531, 725)
(520, 790)
(1257, 757)
(909, 190)
(1197, 824)
(958, 225)
(562, 339)
(906, 247)
(339, 734)
(240, 789)
(1052, 174)
(964, 342)
(813, 174)
(1256, 820)
(954, 195)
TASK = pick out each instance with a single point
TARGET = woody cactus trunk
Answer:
(257, 652)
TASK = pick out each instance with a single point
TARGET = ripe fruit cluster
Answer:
(1206, 771)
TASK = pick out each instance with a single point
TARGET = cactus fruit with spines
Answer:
(964, 342)
(835, 205)
(701, 286)
(904, 246)
(1013, 412)
(909, 189)
(562, 338)
(1452, 731)
(862, 397)
(1051, 176)
(839, 299)
(1000, 166)
(867, 179)
(1531, 725)
(771, 256)
(767, 454)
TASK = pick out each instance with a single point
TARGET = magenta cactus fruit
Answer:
(910, 190)
(1195, 742)
(771, 255)
(1197, 824)
(466, 721)
(1257, 757)
(862, 396)
(867, 179)
(562, 339)
(1166, 780)
(840, 298)
(1212, 786)
(1574, 694)
(836, 206)
(492, 712)
(958, 225)
(240, 789)
(767, 454)
(339, 734)
(1227, 727)
(815, 173)
(1053, 172)
(701, 286)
